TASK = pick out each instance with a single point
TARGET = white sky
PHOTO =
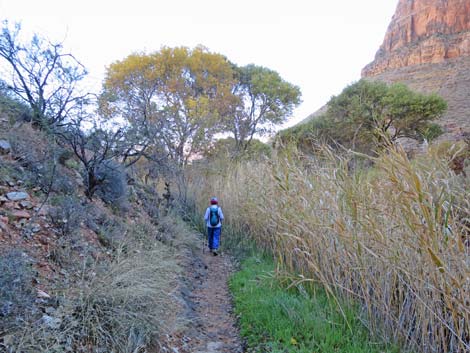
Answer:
(321, 46)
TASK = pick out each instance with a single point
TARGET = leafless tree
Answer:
(42, 75)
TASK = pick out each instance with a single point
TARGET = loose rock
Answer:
(26, 204)
(42, 294)
(17, 196)
(51, 322)
(20, 214)
(3, 227)
(5, 147)
(35, 228)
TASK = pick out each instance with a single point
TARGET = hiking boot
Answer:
(215, 253)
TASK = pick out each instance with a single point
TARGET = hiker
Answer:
(214, 217)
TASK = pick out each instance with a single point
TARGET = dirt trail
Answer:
(211, 325)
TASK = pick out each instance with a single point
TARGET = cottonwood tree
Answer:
(224, 149)
(264, 101)
(181, 91)
(41, 74)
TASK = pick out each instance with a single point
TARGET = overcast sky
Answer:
(321, 46)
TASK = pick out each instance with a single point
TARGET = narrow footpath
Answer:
(210, 325)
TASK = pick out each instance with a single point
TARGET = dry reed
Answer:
(394, 238)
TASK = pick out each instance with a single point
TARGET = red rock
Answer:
(424, 31)
(20, 214)
(427, 47)
(3, 226)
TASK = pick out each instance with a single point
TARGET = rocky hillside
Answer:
(427, 46)
(80, 274)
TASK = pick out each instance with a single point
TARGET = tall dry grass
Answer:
(124, 305)
(395, 238)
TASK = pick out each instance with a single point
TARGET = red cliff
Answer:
(427, 46)
(424, 31)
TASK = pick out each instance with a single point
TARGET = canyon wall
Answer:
(427, 46)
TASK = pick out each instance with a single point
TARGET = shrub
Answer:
(126, 304)
(226, 149)
(111, 232)
(67, 214)
(148, 197)
(13, 109)
(38, 153)
(113, 186)
(121, 306)
(16, 291)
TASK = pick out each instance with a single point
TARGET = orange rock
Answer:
(424, 31)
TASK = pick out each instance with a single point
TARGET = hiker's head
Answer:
(214, 201)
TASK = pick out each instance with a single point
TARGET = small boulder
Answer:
(21, 223)
(50, 310)
(26, 204)
(51, 322)
(8, 340)
(17, 196)
(3, 227)
(5, 147)
(35, 228)
(42, 294)
(20, 214)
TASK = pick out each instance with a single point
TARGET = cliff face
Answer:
(427, 47)
(423, 31)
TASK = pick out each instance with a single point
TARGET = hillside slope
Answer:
(79, 275)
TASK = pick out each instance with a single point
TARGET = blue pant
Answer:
(214, 237)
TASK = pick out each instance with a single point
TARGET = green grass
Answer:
(274, 319)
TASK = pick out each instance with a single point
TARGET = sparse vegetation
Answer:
(121, 306)
(11, 108)
(67, 214)
(16, 290)
(38, 153)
